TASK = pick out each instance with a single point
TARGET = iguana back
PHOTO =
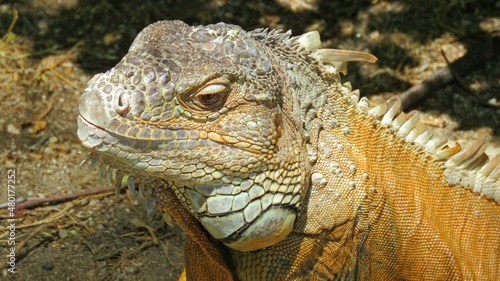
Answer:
(277, 171)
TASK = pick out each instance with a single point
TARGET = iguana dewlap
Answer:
(277, 171)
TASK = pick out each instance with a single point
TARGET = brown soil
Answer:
(53, 49)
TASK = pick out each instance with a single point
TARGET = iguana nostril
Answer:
(121, 104)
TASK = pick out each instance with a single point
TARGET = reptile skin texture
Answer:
(278, 171)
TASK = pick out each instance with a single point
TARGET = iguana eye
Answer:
(209, 99)
(212, 96)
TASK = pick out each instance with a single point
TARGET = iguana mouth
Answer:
(90, 124)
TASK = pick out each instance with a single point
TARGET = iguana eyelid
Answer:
(212, 89)
(213, 86)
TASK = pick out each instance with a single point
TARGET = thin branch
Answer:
(473, 59)
(61, 198)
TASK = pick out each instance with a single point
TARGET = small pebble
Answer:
(48, 265)
(11, 129)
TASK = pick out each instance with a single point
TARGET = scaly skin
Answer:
(277, 172)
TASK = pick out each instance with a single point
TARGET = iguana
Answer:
(277, 171)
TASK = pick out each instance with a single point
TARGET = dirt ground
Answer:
(54, 47)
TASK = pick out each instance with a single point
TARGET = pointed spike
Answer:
(328, 56)
(364, 104)
(118, 182)
(479, 158)
(310, 41)
(272, 31)
(141, 190)
(416, 132)
(92, 164)
(434, 143)
(473, 150)
(495, 175)
(290, 41)
(87, 159)
(109, 174)
(487, 169)
(378, 110)
(150, 207)
(131, 187)
(355, 96)
(447, 152)
(412, 120)
(424, 137)
(103, 169)
(477, 162)
(399, 121)
(348, 85)
(394, 104)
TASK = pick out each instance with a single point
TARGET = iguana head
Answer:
(205, 110)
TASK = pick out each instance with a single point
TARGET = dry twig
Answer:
(62, 198)
(473, 59)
